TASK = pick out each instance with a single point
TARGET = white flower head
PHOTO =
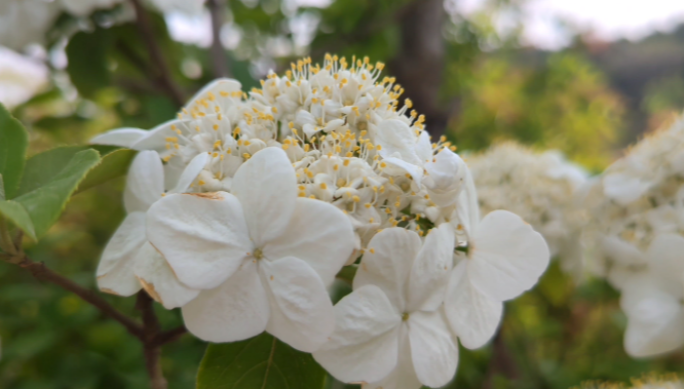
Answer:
(390, 330)
(340, 126)
(540, 188)
(261, 256)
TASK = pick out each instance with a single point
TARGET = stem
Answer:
(170, 335)
(151, 347)
(43, 273)
(219, 61)
(165, 79)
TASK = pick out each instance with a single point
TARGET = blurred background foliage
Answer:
(475, 86)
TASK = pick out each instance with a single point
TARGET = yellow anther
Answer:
(371, 250)
(323, 185)
(356, 198)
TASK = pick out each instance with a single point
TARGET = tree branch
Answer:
(165, 79)
(43, 273)
(152, 349)
(219, 60)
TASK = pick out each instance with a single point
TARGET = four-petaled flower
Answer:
(261, 256)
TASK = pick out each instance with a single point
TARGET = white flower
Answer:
(128, 259)
(652, 300)
(23, 22)
(20, 78)
(390, 330)
(505, 257)
(261, 256)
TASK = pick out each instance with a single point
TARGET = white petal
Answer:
(301, 311)
(396, 137)
(404, 375)
(216, 87)
(665, 256)
(507, 256)
(145, 182)
(319, 234)
(267, 188)
(468, 208)
(424, 147)
(621, 252)
(155, 139)
(203, 237)
(473, 316)
(433, 349)
(123, 137)
(158, 279)
(364, 346)
(431, 269)
(238, 309)
(191, 172)
(415, 171)
(387, 263)
(115, 271)
(655, 319)
(624, 188)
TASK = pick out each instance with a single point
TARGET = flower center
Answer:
(405, 316)
(258, 254)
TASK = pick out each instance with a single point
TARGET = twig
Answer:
(152, 349)
(43, 273)
(170, 336)
(219, 60)
(156, 55)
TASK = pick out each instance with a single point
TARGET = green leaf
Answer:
(16, 213)
(13, 143)
(88, 63)
(262, 362)
(42, 168)
(49, 191)
(113, 165)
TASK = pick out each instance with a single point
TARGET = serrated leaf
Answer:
(42, 168)
(262, 362)
(16, 213)
(44, 203)
(13, 144)
(113, 165)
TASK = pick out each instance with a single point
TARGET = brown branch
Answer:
(170, 336)
(219, 60)
(43, 273)
(152, 350)
(165, 79)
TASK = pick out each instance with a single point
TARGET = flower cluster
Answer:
(637, 237)
(540, 188)
(244, 208)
